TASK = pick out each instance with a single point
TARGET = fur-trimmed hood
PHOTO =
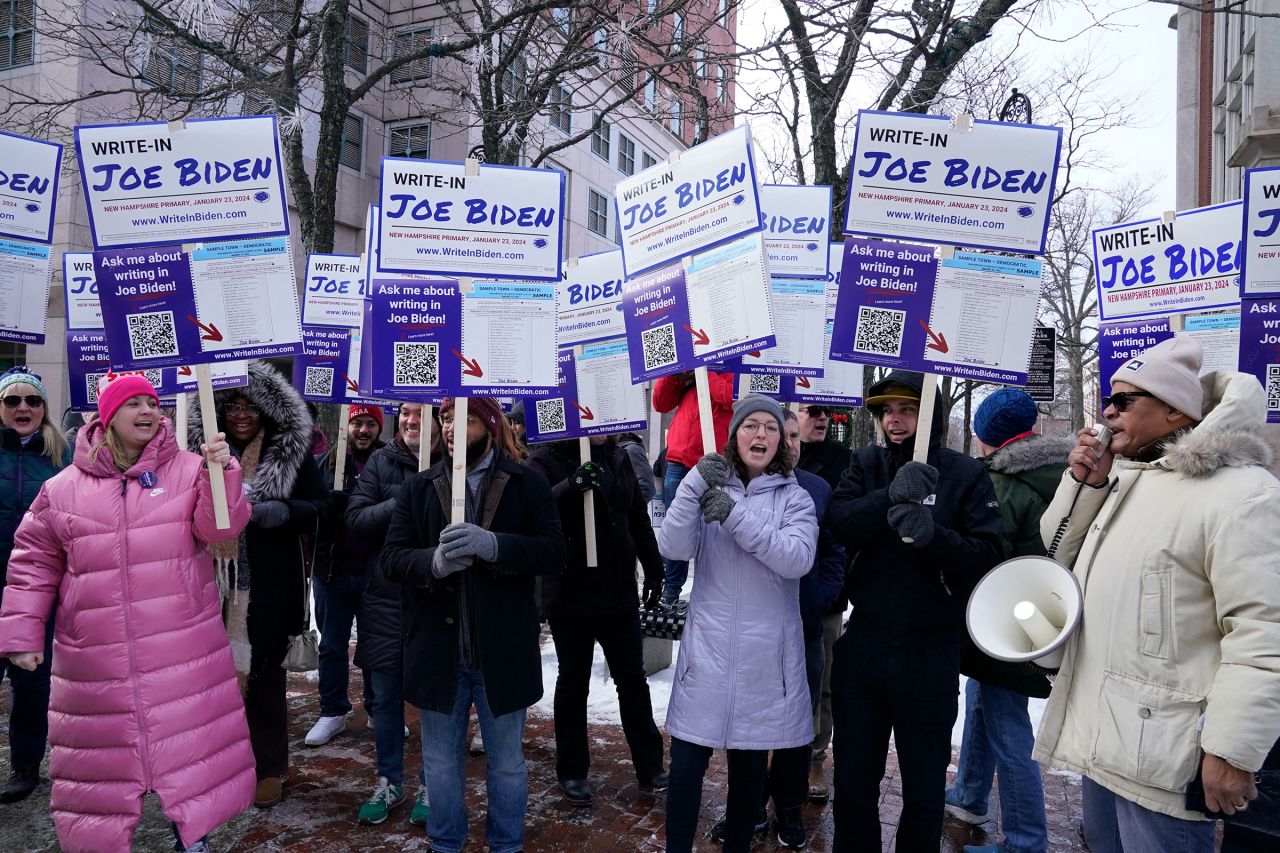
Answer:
(285, 421)
(1230, 436)
(1029, 453)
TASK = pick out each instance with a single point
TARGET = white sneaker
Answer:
(369, 725)
(324, 730)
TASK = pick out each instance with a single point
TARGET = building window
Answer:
(628, 67)
(602, 47)
(722, 12)
(647, 160)
(651, 92)
(677, 117)
(172, 63)
(600, 139)
(598, 213)
(560, 109)
(349, 154)
(411, 141)
(355, 43)
(699, 64)
(277, 14)
(17, 33)
(514, 76)
(256, 104)
(722, 84)
(412, 41)
(677, 29)
(563, 18)
(626, 154)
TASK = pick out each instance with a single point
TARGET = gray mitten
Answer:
(914, 482)
(714, 469)
(468, 540)
(442, 566)
(268, 514)
(716, 505)
(913, 522)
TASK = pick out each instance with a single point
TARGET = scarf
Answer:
(232, 569)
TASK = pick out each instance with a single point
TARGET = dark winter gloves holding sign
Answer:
(590, 476)
(909, 516)
(716, 505)
(459, 545)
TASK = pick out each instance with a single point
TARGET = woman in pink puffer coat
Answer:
(144, 691)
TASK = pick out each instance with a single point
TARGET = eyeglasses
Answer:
(35, 401)
(447, 420)
(817, 412)
(243, 409)
(1122, 399)
(767, 427)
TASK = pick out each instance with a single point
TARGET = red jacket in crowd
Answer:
(684, 438)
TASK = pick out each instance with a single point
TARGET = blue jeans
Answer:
(676, 570)
(29, 713)
(506, 778)
(388, 724)
(337, 601)
(1113, 824)
(998, 737)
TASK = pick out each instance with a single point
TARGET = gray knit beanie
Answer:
(1171, 371)
(751, 404)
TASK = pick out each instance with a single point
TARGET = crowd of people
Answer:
(825, 619)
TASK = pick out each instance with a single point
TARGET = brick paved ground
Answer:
(326, 786)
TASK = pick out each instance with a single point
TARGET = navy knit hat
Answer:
(1005, 413)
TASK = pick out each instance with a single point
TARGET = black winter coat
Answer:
(623, 532)
(820, 589)
(903, 594)
(518, 507)
(339, 550)
(828, 459)
(373, 500)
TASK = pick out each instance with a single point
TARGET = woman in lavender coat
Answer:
(740, 677)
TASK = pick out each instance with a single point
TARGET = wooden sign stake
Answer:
(588, 499)
(209, 420)
(340, 452)
(424, 438)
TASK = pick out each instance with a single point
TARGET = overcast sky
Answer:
(1136, 38)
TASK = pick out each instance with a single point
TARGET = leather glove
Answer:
(652, 590)
(914, 482)
(267, 514)
(468, 540)
(442, 566)
(716, 505)
(591, 476)
(714, 468)
(913, 522)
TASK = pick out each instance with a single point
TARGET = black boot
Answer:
(22, 781)
(790, 829)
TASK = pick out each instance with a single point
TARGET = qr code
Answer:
(319, 382)
(417, 364)
(659, 346)
(765, 383)
(152, 335)
(551, 416)
(1273, 387)
(153, 376)
(91, 387)
(880, 331)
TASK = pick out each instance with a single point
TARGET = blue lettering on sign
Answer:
(422, 211)
(21, 182)
(796, 225)
(1270, 228)
(590, 292)
(1183, 261)
(481, 211)
(130, 178)
(960, 173)
(83, 283)
(897, 168)
(192, 171)
(687, 193)
(324, 284)
(1130, 272)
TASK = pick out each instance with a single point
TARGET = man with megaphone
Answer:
(1173, 531)
(921, 535)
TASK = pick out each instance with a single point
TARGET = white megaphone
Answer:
(1024, 610)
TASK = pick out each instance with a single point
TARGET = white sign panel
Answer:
(604, 387)
(916, 177)
(797, 222)
(334, 291)
(590, 300)
(84, 310)
(799, 315)
(245, 293)
(154, 183)
(1260, 264)
(1152, 267)
(26, 269)
(730, 311)
(509, 337)
(28, 187)
(672, 210)
(505, 222)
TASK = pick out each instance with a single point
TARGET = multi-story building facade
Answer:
(422, 109)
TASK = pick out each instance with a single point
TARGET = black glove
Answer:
(913, 522)
(652, 591)
(914, 482)
(714, 469)
(591, 476)
(716, 505)
(338, 501)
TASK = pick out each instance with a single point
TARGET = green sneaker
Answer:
(385, 797)
(421, 808)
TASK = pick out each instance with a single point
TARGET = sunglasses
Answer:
(1122, 399)
(35, 401)
(240, 409)
(817, 412)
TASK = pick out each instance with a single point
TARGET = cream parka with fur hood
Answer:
(1178, 652)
